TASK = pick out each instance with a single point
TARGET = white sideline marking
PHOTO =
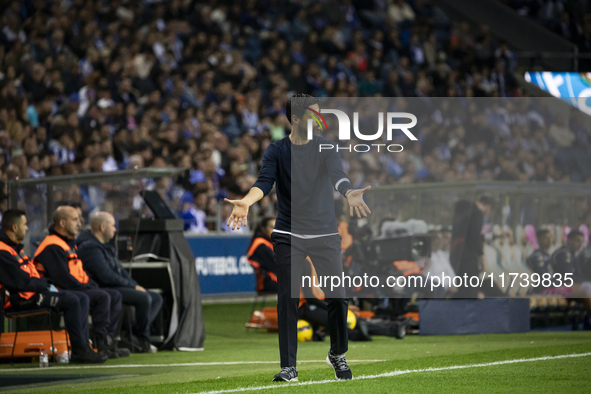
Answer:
(395, 373)
(167, 365)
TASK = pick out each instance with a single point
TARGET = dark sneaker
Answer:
(400, 329)
(122, 352)
(106, 347)
(338, 363)
(287, 374)
(130, 342)
(145, 346)
(87, 356)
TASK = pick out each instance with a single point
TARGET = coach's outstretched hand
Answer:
(239, 213)
(356, 203)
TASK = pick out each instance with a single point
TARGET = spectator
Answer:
(193, 212)
(564, 261)
(100, 261)
(560, 133)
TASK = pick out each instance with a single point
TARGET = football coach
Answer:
(306, 226)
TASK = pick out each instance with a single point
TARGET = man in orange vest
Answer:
(260, 255)
(57, 258)
(29, 291)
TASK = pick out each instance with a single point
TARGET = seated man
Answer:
(57, 258)
(540, 259)
(260, 255)
(101, 263)
(29, 291)
(565, 261)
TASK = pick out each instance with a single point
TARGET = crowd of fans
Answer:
(90, 86)
(570, 19)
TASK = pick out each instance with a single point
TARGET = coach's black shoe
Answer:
(338, 363)
(287, 374)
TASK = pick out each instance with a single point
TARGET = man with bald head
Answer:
(57, 258)
(101, 263)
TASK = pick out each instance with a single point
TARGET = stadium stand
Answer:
(99, 87)
(569, 19)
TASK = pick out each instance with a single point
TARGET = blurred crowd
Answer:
(570, 19)
(89, 86)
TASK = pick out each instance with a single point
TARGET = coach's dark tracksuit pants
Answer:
(290, 253)
(73, 305)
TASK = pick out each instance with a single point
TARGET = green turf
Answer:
(228, 340)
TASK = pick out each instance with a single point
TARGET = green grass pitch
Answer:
(229, 341)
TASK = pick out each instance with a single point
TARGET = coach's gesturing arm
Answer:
(356, 203)
(260, 189)
(343, 185)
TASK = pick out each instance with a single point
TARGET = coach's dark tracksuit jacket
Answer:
(17, 273)
(94, 254)
(307, 175)
(57, 258)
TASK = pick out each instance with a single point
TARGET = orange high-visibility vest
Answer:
(25, 264)
(74, 263)
(259, 278)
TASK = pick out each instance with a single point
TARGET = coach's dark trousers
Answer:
(73, 305)
(105, 309)
(291, 253)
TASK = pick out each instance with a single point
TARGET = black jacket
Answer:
(55, 262)
(101, 263)
(12, 276)
(564, 262)
(467, 240)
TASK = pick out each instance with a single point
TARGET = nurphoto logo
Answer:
(345, 129)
